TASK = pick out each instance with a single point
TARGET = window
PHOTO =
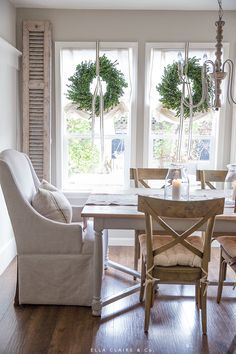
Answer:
(80, 166)
(162, 125)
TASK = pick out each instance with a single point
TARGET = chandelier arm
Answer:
(181, 125)
(204, 84)
(97, 58)
(185, 102)
(230, 80)
(101, 110)
(190, 132)
(208, 63)
(204, 91)
(186, 50)
(98, 92)
(180, 71)
(190, 120)
(95, 94)
(188, 105)
(211, 97)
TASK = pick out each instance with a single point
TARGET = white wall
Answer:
(8, 115)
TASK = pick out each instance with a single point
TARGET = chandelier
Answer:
(213, 72)
(218, 68)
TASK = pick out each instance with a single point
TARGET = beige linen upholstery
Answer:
(55, 260)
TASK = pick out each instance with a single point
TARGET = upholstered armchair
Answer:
(54, 259)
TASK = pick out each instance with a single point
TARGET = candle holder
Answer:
(230, 184)
(176, 183)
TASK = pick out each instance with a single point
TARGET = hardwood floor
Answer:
(175, 327)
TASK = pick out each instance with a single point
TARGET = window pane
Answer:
(83, 162)
(83, 167)
(164, 123)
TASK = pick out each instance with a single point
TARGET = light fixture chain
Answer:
(221, 12)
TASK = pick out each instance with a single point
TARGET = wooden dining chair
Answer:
(206, 177)
(227, 258)
(180, 257)
(141, 178)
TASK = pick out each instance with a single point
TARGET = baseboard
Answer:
(7, 253)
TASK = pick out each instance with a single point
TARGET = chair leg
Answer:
(16, 299)
(136, 251)
(153, 294)
(222, 276)
(148, 300)
(197, 295)
(203, 308)
(142, 287)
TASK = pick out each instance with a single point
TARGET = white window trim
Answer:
(222, 133)
(58, 111)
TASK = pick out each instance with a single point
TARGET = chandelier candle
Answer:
(176, 188)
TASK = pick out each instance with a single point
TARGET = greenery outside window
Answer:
(81, 165)
(164, 123)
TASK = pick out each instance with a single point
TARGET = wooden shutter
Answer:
(37, 43)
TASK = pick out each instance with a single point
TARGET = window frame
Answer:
(221, 124)
(59, 46)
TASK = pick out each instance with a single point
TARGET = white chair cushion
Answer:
(51, 203)
(174, 256)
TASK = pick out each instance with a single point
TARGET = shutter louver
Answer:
(37, 95)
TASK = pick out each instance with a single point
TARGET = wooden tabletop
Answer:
(124, 203)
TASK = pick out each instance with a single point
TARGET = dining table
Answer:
(118, 211)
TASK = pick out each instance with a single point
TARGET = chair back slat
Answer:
(201, 212)
(208, 176)
(142, 175)
(181, 209)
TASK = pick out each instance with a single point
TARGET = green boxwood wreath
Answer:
(171, 94)
(79, 89)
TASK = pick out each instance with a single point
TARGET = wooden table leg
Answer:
(106, 249)
(97, 274)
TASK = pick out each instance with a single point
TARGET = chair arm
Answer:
(76, 213)
(39, 235)
(76, 216)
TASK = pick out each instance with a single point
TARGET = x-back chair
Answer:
(227, 258)
(206, 177)
(227, 243)
(141, 178)
(180, 257)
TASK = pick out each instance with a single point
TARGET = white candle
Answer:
(234, 190)
(176, 189)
